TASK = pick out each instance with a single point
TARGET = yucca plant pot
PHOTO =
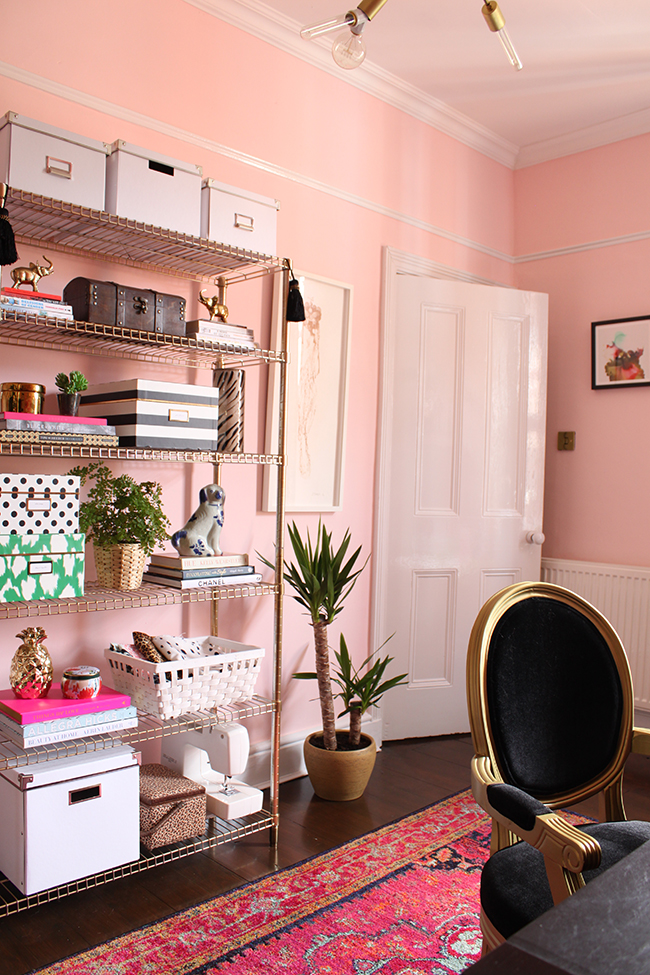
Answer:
(339, 775)
(120, 566)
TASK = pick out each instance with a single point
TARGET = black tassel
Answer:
(8, 252)
(295, 305)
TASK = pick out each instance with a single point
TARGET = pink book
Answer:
(55, 705)
(54, 418)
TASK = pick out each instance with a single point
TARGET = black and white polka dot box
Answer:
(39, 504)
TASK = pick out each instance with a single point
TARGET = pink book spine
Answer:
(54, 418)
(26, 711)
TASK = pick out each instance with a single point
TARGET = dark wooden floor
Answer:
(408, 775)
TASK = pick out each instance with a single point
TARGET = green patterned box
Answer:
(41, 566)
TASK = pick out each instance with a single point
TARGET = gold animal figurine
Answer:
(216, 305)
(32, 274)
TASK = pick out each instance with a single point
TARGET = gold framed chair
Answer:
(551, 710)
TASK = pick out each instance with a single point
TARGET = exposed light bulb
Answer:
(508, 47)
(497, 24)
(314, 30)
(349, 50)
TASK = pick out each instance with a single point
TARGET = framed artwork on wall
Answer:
(317, 388)
(620, 353)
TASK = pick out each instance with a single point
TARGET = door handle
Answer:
(535, 538)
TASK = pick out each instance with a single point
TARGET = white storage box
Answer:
(154, 189)
(150, 413)
(238, 218)
(40, 158)
(69, 818)
(176, 687)
(39, 504)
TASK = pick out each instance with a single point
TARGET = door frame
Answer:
(395, 262)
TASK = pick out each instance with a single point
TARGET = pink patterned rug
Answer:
(402, 900)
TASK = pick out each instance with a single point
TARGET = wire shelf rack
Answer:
(218, 832)
(67, 451)
(83, 232)
(149, 728)
(62, 335)
(98, 599)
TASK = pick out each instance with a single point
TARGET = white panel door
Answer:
(460, 481)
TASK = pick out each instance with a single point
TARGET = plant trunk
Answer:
(355, 724)
(322, 656)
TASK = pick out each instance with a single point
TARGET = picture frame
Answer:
(316, 397)
(620, 353)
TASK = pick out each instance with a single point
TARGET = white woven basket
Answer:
(176, 687)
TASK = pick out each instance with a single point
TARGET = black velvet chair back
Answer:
(556, 692)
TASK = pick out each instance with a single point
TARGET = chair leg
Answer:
(491, 937)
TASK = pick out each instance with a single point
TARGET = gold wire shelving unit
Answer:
(85, 233)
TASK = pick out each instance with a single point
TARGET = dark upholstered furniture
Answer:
(551, 710)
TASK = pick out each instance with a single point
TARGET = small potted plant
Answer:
(71, 387)
(124, 519)
(359, 690)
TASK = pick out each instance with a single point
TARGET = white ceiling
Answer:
(585, 81)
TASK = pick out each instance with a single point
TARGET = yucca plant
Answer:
(359, 690)
(322, 579)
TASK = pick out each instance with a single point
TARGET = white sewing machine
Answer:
(211, 756)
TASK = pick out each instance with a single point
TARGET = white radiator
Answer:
(622, 594)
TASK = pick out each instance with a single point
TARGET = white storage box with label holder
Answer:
(69, 818)
(37, 504)
(199, 683)
(152, 188)
(150, 413)
(41, 566)
(43, 159)
(239, 218)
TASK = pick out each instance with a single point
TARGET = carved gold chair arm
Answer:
(567, 851)
(641, 741)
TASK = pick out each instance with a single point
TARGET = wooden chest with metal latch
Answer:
(106, 303)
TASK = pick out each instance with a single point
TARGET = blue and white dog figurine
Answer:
(200, 536)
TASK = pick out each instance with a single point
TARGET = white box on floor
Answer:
(152, 188)
(42, 159)
(69, 818)
(239, 218)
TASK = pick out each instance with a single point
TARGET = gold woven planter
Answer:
(339, 776)
(120, 566)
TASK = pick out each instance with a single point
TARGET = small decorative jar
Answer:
(81, 682)
(22, 397)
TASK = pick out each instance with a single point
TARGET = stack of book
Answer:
(50, 428)
(180, 572)
(30, 722)
(35, 303)
(221, 333)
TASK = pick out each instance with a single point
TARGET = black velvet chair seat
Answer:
(514, 885)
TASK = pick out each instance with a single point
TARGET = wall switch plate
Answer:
(566, 440)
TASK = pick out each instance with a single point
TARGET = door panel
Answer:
(460, 479)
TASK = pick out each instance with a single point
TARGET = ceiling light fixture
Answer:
(349, 49)
(497, 23)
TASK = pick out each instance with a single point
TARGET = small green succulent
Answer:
(76, 382)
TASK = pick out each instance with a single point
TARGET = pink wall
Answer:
(179, 83)
(596, 497)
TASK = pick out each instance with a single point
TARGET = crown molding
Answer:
(603, 134)
(270, 25)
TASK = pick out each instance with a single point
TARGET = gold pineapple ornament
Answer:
(31, 670)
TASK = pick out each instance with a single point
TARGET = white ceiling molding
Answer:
(603, 134)
(270, 25)
(260, 20)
